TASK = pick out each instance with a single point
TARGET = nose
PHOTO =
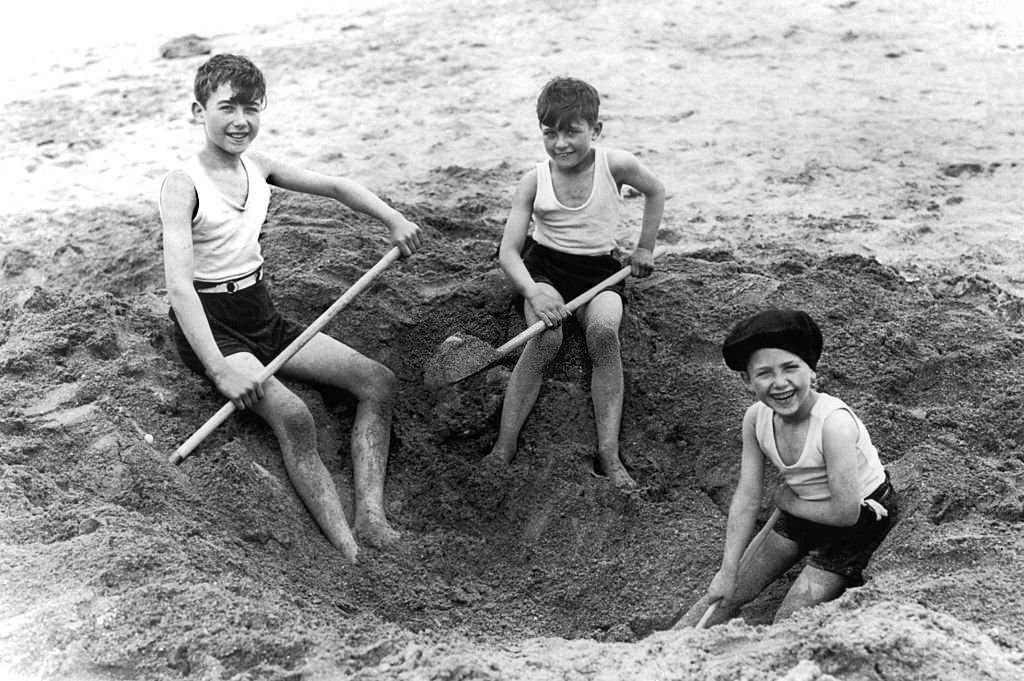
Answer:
(238, 117)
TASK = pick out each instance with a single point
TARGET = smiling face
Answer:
(231, 123)
(782, 381)
(569, 144)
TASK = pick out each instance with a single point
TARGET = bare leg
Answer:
(812, 587)
(293, 425)
(327, 361)
(523, 388)
(600, 320)
(758, 568)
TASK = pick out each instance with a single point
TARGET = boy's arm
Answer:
(549, 308)
(403, 233)
(746, 500)
(839, 444)
(177, 203)
(739, 528)
(627, 169)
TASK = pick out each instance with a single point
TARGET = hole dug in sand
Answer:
(124, 566)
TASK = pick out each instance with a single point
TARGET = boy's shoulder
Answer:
(619, 159)
(752, 412)
(177, 183)
(528, 181)
(827, 404)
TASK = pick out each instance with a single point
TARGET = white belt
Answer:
(230, 286)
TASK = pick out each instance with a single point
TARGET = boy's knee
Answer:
(602, 340)
(294, 416)
(550, 341)
(380, 385)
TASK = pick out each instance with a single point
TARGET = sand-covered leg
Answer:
(293, 425)
(601, 319)
(370, 443)
(328, 361)
(812, 586)
(521, 393)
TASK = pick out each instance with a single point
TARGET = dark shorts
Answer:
(843, 550)
(243, 321)
(570, 274)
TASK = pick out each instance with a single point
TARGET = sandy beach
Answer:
(858, 160)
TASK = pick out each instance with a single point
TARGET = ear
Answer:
(198, 111)
(597, 129)
(745, 377)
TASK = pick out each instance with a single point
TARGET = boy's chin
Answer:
(785, 407)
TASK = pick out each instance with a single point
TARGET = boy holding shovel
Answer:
(573, 200)
(226, 326)
(835, 504)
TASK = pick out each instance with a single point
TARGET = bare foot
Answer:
(340, 536)
(348, 548)
(613, 469)
(498, 457)
(376, 532)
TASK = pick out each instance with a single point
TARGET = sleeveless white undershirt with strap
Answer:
(588, 229)
(807, 477)
(225, 234)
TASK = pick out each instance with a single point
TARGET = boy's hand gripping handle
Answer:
(538, 327)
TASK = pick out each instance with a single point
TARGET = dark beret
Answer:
(790, 330)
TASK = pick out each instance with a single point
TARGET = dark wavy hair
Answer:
(245, 79)
(566, 99)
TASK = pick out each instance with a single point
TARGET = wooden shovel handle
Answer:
(313, 329)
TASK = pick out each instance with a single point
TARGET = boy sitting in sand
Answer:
(835, 503)
(226, 326)
(573, 198)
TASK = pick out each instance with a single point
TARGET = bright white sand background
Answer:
(766, 119)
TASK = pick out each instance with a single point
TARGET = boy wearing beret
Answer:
(835, 504)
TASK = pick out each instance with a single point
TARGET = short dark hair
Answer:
(563, 100)
(245, 79)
